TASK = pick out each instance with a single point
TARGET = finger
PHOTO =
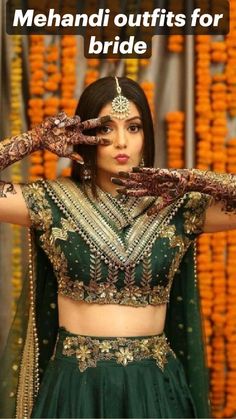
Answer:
(95, 122)
(76, 157)
(150, 170)
(139, 177)
(75, 120)
(127, 183)
(61, 120)
(89, 140)
(131, 192)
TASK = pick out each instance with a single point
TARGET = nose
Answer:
(121, 139)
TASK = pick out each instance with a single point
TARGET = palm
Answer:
(169, 184)
(61, 133)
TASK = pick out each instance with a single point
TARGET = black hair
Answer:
(93, 99)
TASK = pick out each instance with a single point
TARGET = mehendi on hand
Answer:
(172, 183)
(57, 134)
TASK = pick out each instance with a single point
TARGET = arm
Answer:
(221, 214)
(217, 220)
(13, 208)
(56, 134)
(172, 183)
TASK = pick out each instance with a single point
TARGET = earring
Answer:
(86, 172)
(141, 164)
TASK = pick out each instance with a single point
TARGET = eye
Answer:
(135, 127)
(104, 129)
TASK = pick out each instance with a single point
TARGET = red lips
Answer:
(121, 156)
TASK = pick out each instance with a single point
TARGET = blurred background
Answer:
(190, 83)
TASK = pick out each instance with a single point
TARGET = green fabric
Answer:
(184, 330)
(110, 390)
(183, 325)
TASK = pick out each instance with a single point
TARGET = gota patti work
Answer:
(132, 258)
(105, 251)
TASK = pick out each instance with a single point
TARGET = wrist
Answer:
(196, 180)
(37, 134)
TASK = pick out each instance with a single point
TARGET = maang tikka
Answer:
(120, 104)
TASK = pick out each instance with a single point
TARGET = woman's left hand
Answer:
(170, 184)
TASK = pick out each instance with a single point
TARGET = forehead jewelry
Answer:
(120, 104)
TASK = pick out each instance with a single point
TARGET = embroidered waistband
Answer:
(89, 349)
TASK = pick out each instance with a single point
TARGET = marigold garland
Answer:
(214, 97)
(175, 43)
(51, 101)
(36, 103)
(68, 101)
(16, 177)
(175, 139)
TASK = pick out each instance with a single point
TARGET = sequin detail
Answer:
(88, 350)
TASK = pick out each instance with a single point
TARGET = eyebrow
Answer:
(130, 119)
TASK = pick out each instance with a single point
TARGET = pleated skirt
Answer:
(109, 389)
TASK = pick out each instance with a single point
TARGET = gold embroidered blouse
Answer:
(108, 250)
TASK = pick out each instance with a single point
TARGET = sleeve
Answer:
(194, 212)
(40, 213)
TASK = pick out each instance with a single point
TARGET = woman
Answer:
(107, 280)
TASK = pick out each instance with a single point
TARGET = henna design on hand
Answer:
(17, 147)
(57, 134)
(172, 183)
(6, 187)
(169, 184)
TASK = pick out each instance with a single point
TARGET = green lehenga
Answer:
(143, 389)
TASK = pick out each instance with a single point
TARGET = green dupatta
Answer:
(33, 334)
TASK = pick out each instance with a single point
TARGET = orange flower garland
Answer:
(68, 101)
(175, 43)
(132, 68)
(175, 139)
(230, 71)
(68, 69)
(92, 71)
(203, 160)
(203, 102)
(51, 102)
(230, 327)
(36, 104)
(16, 128)
(215, 95)
(149, 89)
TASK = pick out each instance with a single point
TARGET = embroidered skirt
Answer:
(113, 377)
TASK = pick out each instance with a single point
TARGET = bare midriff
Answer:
(95, 319)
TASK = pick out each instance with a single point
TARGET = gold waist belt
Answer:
(87, 350)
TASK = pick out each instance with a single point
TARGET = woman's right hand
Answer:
(59, 133)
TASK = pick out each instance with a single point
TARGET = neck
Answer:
(103, 180)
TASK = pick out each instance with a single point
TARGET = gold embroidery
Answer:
(62, 233)
(28, 384)
(106, 291)
(195, 216)
(58, 260)
(38, 207)
(119, 215)
(134, 249)
(88, 350)
(97, 232)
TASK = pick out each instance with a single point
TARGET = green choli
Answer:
(108, 250)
